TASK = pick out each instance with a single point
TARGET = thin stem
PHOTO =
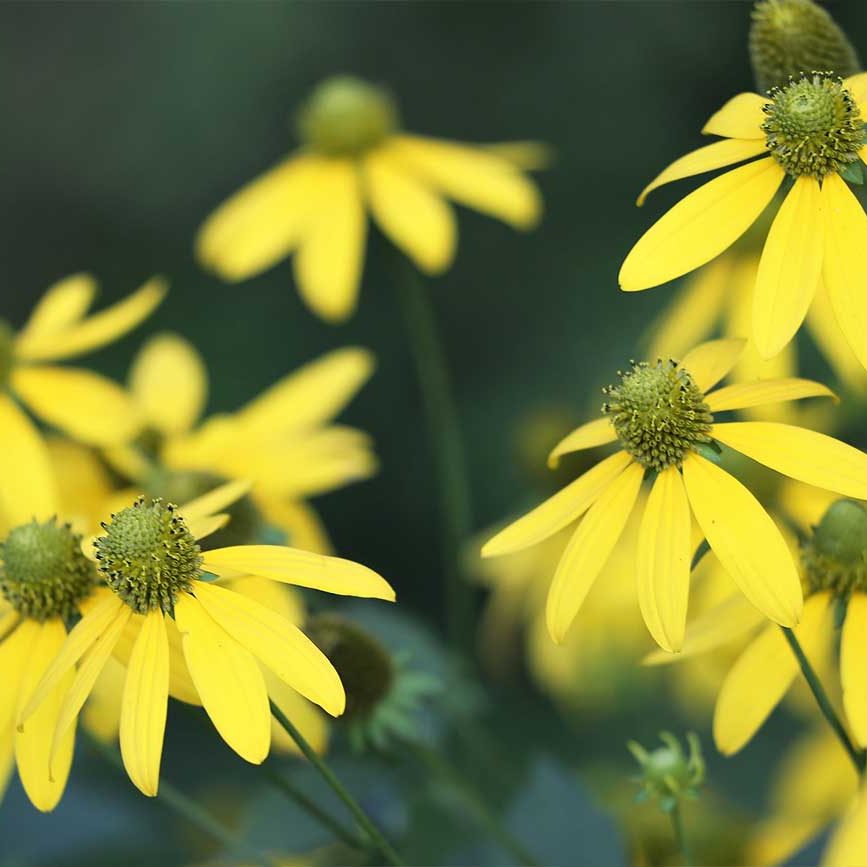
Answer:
(484, 815)
(313, 809)
(373, 833)
(679, 836)
(445, 434)
(858, 757)
(189, 810)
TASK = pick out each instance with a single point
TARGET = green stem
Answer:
(445, 434)
(679, 836)
(189, 810)
(474, 804)
(373, 833)
(858, 757)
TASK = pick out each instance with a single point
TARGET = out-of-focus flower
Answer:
(811, 132)
(155, 573)
(661, 414)
(848, 846)
(83, 404)
(354, 158)
(669, 773)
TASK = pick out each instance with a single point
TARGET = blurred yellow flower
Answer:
(810, 130)
(354, 158)
(848, 846)
(661, 414)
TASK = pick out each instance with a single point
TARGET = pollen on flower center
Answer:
(44, 573)
(345, 116)
(813, 126)
(148, 556)
(7, 352)
(658, 412)
(835, 558)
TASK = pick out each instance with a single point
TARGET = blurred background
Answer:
(126, 124)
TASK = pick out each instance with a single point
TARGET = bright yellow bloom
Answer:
(156, 574)
(83, 404)
(353, 159)
(662, 416)
(811, 132)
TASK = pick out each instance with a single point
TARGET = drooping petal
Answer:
(745, 395)
(169, 383)
(599, 432)
(526, 155)
(201, 528)
(761, 677)
(329, 261)
(705, 159)
(416, 219)
(94, 331)
(710, 362)
(701, 226)
(84, 404)
(589, 549)
(14, 655)
(556, 512)
(848, 846)
(279, 645)
(306, 716)
(473, 177)
(303, 568)
(145, 702)
(29, 490)
(741, 117)
(663, 563)
(219, 498)
(844, 270)
(101, 715)
(801, 454)
(62, 305)
(228, 680)
(745, 539)
(853, 670)
(7, 758)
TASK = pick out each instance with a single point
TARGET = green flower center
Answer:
(345, 116)
(7, 353)
(813, 126)
(44, 572)
(148, 556)
(835, 558)
(658, 412)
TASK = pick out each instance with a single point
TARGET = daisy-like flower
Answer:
(155, 570)
(662, 415)
(808, 135)
(79, 402)
(354, 158)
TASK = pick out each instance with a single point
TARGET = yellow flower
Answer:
(156, 571)
(661, 414)
(848, 846)
(81, 403)
(353, 159)
(810, 131)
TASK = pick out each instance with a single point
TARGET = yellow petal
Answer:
(705, 159)
(86, 405)
(329, 261)
(790, 268)
(853, 671)
(28, 489)
(599, 432)
(219, 498)
(262, 223)
(750, 394)
(857, 86)
(276, 643)
(663, 564)
(745, 539)
(169, 383)
(701, 226)
(761, 677)
(63, 304)
(201, 528)
(801, 454)
(228, 680)
(7, 758)
(416, 219)
(556, 512)
(589, 549)
(741, 117)
(299, 521)
(309, 720)
(845, 272)
(710, 362)
(44, 786)
(101, 714)
(848, 846)
(527, 155)
(94, 331)
(14, 655)
(311, 395)
(145, 702)
(473, 177)
(303, 568)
